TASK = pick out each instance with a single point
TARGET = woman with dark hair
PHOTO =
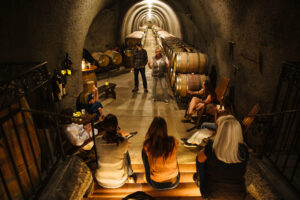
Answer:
(160, 156)
(198, 104)
(114, 166)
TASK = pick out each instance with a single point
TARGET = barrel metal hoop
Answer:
(198, 55)
(179, 58)
(187, 62)
(187, 83)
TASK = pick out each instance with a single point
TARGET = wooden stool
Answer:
(108, 89)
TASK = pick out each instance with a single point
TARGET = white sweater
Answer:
(112, 171)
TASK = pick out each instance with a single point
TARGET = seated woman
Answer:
(82, 99)
(221, 165)
(197, 104)
(160, 156)
(208, 129)
(78, 134)
(114, 166)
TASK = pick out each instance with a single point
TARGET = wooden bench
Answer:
(108, 89)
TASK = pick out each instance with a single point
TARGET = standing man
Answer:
(159, 65)
(140, 59)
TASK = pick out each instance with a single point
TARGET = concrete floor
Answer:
(135, 112)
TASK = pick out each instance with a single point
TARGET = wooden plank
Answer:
(182, 168)
(185, 177)
(182, 190)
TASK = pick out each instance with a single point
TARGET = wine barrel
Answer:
(33, 158)
(191, 63)
(129, 58)
(173, 54)
(102, 59)
(89, 75)
(191, 82)
(133, 38)
(173, 77)
(115, 56)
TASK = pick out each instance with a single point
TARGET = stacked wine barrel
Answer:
(133, 38)
(108, 60)
(188, 65)
(130, 46)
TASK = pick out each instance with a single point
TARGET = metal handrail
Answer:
(67, 117)
(274, 113)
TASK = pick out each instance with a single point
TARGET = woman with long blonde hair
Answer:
(221, 165)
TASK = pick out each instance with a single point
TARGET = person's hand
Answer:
(124, 133)
(132, 69)
(189, 91)
(88, 127)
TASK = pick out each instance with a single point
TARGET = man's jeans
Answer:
(163, 85)
(136, 77)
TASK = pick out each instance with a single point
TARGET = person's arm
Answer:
(134, 60)
(201, 157)
(88, 128)
(150, 63)
(101, 114)
(145, 58)
(95, 91)
(200, 92)
(167, 62)
(208, 99)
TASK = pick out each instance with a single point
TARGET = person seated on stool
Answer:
(198, 104)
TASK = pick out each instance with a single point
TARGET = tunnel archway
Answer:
(158, 12)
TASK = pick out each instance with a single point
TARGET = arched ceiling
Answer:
(158, 12)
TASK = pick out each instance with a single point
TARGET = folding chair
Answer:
(248, 120)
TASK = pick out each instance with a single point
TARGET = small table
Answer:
(108, 89)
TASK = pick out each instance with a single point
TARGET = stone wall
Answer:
(44, 30)
(104, 33)
(267, 27)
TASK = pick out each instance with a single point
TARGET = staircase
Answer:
(186, 189)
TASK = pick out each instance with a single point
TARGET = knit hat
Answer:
(139, 44)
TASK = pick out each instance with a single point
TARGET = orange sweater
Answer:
(163, 170)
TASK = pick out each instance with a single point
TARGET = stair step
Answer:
(182, 190)
(182, 168)
(156, 198)
(185, 177)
